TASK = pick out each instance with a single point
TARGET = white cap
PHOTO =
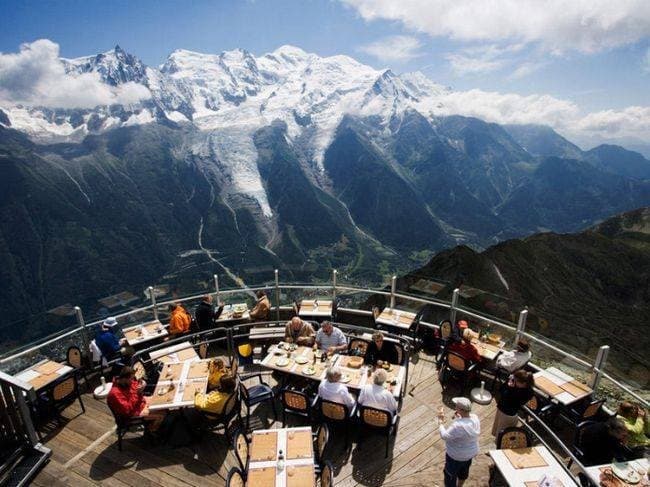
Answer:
(109, 322)
(462, 403)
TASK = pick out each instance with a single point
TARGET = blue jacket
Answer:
(108, 343)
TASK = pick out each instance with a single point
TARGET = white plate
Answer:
(300, 359)
(282, 362)
(309, 371)
(345, 378)
(626, 473)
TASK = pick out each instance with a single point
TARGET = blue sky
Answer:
(521, 50)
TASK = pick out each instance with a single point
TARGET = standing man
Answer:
(461, 441)
(331, 339)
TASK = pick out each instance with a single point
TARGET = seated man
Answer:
(299, 332)
(262, 309)
(107, 342)
(515, 359)
(330, 389)
(205, 314)
(603, 442)
(380, 351)
(126, 399)
(179, 321)
(375, 396)
(331, 339)
(214, 402)
(465, 348)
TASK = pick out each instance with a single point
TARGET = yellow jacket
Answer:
(212, 402)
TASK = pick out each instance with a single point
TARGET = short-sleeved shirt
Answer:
(377, 397)
(334, 339)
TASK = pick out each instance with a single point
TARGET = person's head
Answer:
(523, 346)
(628, 410)
(327, 328)
(378, 338)
(467, 335)
(617, 429)
(218, 364)
(463, 406)
(379, 377)
(207, 299)
(333, 374)
(463, 325)
(109, 324)
(127, 374)
(260, 294)
(227, 383)
(523, 379)
(296, 323)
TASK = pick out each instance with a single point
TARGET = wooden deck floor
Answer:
(85, 449)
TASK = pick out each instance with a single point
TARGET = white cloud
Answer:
(481, 59)
(645, 63)
(526, 69)
(556, 25)
(35, 76)
(632, 121)
(393, 48)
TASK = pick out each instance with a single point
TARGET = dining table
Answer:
(44, 373)
(561, 386)
(145, 332)
(622, 471)
(531, 467)
(296, 448)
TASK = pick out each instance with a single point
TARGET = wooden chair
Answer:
(241, 447)
(327, 475)
(337, 413)
(446, 330)
(513, 437)
(235, 478)
(380, 420)
(455, 365)
(139, 370)
(126, 424)
(321, 442)
(358, 346)
(541, 406)
(256, 394)
(297, 403)
(74, 359)
(588, 410)
(62, 394)
(231, 409)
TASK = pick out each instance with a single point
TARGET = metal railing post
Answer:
(152, 295)
(230, 342)
(216, 287)
(521, 324)
(84, 332)
(277, 296)
(334, 272)
(393, 285)
(599, 365)
(454, 305)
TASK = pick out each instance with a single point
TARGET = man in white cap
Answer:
(461, 441)
(106, 340)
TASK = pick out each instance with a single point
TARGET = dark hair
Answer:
(615, 425)
(627, 410)
(260, 293)
(524, 377)
(126, 372)
(523, 345)
(227, 383)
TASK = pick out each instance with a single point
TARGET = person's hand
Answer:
(289, 340)
(641, 412)
(122, 341)
(141, 385)
(380, 363)
(331, 350)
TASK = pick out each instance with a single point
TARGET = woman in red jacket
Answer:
(126, 399)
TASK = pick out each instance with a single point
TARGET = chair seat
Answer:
(259, 393)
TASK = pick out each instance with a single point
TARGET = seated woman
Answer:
(379, 350)
(636, 421)
(375, 396)
(331, 389)
(465, 348)
(214, 402)
(126, 399)
(216, 369)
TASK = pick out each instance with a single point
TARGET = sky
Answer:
(589, 58)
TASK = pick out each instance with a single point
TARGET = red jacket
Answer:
(466, 350)
(126, 401)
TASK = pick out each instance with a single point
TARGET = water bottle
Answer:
(103, 381)
(280, 461)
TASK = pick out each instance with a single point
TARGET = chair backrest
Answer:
(401, 353)
(234, 366)
(446, 329)
(139, 370)
(580, 429)
(358, 346)
(203, 350)
(64, 389)
(456, 362)
(377, 418)
(533, 403)
(235, 478)
(513, 437)
(74, 358)
(334, 410)
(294, 400)
(240, 446)
(592, 409)
(327, 475)
(231, 402)
(243, 391)
(322, 437)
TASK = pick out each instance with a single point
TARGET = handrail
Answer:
(339, 289)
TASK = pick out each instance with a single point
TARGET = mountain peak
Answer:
(290, 51)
